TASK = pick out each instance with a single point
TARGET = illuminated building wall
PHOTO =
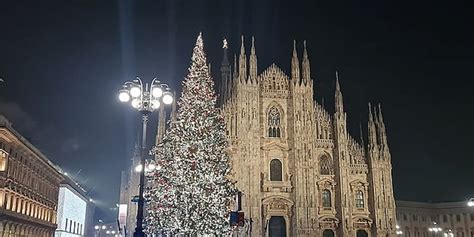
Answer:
(72, 212)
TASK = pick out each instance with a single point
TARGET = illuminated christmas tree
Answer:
(189, 191)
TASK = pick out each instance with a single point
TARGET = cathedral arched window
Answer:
(274, 122)
(325, 167)
(276, 170)
(359, 199)
(326, 198)
(328, 233)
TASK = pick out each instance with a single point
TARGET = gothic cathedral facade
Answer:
(300, 171)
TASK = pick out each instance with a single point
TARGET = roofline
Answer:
(436, 205)
(5, 123)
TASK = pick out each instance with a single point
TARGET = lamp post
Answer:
(435, 229)
(99, 228)
(145, 98)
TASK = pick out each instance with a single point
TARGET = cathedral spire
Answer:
(253, 62)
(361, 135)
(295, 65)
(236, 73)
(242, 62)
(161, 125)
(225, 74)
(339, 105)
(372, 131)
(381, 128)
(306, 77)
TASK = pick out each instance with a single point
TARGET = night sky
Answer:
(63, 62)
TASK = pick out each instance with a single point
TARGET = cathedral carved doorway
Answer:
(277, 226)
(362, 233)
(328, 233)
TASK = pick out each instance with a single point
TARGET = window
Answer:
(458, 218)
(328, 233)
(362, 233)
(65, 228)
(273, 122)
(423, 218)
(325, 167)
(445, 218)
(472, 216)
(3, 160)
(326, 198)
(275, 170)
(359, 199)
(415, 217)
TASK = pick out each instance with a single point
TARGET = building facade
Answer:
(29, 186)
(74, 216)
(300, 171)
(415, 219)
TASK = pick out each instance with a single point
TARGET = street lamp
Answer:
(145, 98)
(448, 234)
(398, 231)
(435, 229)
(470, 203)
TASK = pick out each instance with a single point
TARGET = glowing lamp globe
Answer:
(139, 168)
(167, 98)
(124, 96)
(135, 103)
(157, 92)
(104, 227)
(135, 91)
(470, 203)
(96, 227)
(151, 167)
(155, 104)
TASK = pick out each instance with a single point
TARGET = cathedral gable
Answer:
(273, 81)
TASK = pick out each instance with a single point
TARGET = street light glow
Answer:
(139, 168)
(155, 104)
(135, 103)
(157, 92)
(435, 229)
(104, 227)
(135, 92)
(470, 203)
(124, 96)
(167, 98)
(151, 167)
(96, 227)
